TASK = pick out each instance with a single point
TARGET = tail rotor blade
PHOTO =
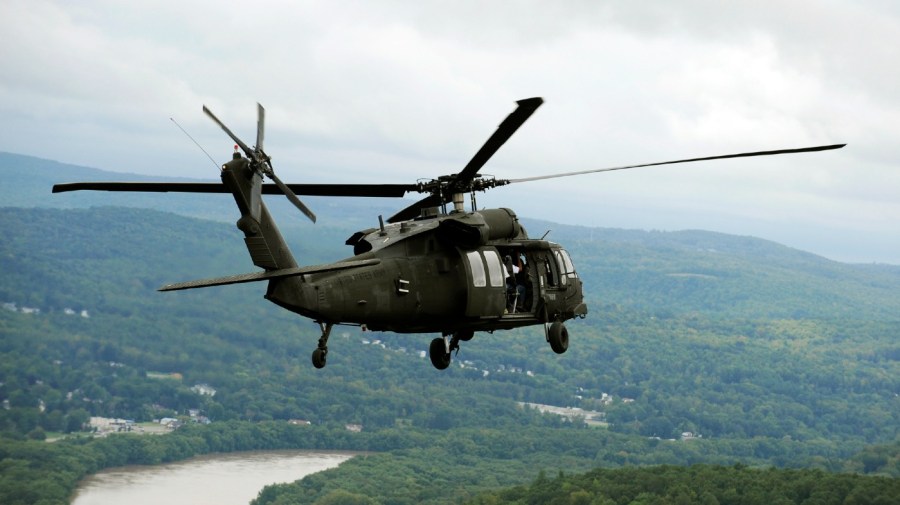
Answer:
(291, 196)
(247, 151)
(260, 125)
(259, 160)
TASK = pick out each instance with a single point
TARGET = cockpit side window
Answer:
(570, 267)
(566, 268)
(561, 266)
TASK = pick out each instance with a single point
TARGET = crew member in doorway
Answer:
(515, 288)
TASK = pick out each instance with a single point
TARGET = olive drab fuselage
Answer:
(422, 284)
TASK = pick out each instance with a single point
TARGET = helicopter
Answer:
(429, 269)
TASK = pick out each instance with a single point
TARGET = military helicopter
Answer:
(428, 270)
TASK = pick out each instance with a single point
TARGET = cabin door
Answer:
(486, 283)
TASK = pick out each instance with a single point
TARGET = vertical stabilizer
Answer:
(264, 242)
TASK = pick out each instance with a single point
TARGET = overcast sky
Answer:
(399, 91)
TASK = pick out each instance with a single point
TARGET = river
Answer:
(217, 479)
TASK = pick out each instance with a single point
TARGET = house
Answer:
(170, 422)
(203, 389)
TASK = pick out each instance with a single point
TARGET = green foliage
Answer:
(447, 467)
(877, 459)
(699, 484)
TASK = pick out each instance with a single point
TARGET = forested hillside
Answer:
(696, 370)
(724, 276)
(763, 354)
(700, 484)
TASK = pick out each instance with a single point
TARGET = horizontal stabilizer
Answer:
(269, 275)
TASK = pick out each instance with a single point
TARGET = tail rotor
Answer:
(259, 160)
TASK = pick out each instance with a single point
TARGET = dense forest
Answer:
(699, 348)
(701, 484)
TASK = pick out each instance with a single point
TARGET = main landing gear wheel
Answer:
(441, 349)
(440, 356)
(318, 358)
(558, 336)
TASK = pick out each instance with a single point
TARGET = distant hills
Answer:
(725, 275)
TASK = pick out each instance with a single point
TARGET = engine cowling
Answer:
(475, 229)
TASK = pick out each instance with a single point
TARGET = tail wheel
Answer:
(558, 337)
(438, 353)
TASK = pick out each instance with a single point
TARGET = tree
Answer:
(76, 420)
(341, 497)
(37, 434)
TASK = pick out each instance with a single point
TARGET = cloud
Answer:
(394, 91)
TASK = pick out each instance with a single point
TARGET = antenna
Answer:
(545, 234)
(196, 143)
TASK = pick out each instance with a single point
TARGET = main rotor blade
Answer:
(260, 125)
(415, 210)
(504, 131)
(247, 151)
(361, 190)
(724, 156)
(291, 196)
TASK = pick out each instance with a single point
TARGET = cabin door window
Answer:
(495, 268)
(476, 265)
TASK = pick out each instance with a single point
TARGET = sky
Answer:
(395, 92)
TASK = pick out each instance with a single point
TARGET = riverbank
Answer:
(224, 478)
(38, 472)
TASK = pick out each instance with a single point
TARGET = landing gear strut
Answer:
(441, 348)
(319, 355)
